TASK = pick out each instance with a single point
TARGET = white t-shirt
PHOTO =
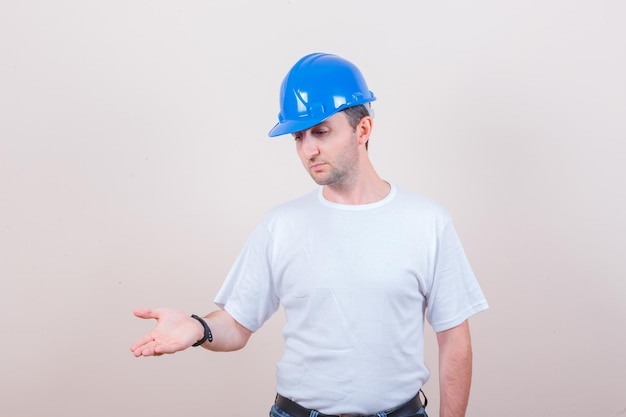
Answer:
(355, 282)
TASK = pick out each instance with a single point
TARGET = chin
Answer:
(319, 181)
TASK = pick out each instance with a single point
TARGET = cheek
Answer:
(300, 153)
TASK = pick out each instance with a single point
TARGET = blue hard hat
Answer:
(316, 87)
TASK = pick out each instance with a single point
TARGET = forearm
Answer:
(455, 370)
(228, 334)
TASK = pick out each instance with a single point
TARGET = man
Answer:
(357, 265)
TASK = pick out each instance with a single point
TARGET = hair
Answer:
(355, 114)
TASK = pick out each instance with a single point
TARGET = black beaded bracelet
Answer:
(208, 336)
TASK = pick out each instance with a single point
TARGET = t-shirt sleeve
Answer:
(248, 293)
(455, 294)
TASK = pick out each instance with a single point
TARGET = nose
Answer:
(308, 145)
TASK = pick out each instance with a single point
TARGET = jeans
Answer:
(277, 412)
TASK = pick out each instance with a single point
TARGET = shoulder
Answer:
(292, 209)
(300, 203)
(419, 204)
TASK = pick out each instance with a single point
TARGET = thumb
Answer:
(145, 313)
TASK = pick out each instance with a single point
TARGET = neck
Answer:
(367, 188)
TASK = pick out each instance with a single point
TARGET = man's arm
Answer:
(176, 331)
(455, 370)
(229, 335)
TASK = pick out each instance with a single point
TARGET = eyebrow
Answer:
(320, 124)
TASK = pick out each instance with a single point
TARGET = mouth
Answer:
(317, 166)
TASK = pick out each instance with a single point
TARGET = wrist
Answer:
(207, 336)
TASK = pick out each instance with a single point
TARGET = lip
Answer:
(317, 166)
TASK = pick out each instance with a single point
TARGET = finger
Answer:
(147, 349)
(141, 342)
(154, 348)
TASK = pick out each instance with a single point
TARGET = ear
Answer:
(364, 129)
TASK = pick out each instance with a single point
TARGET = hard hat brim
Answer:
(292, 126)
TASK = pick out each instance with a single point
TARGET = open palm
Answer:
(173, 332)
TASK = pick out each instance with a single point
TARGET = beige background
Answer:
(134, 162)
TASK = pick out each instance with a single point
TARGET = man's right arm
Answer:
(176, 331)
(228, 334)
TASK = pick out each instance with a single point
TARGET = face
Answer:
(329, 151)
